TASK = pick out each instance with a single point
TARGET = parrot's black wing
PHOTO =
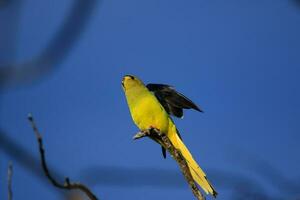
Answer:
(173, 101)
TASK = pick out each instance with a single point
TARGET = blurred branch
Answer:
(9, 181)
(58, 48)
(176, 154)
(67, 185)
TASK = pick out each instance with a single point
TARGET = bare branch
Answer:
(9, 180)
(67, 185)
(163, 140)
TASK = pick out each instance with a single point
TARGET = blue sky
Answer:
(238, 60)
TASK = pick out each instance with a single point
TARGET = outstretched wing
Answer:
(173, 101)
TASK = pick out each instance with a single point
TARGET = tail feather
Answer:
(198, 175)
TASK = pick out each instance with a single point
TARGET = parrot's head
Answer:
(130, 82)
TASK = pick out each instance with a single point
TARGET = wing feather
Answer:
(173, 101)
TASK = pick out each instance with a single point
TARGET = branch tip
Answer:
(67, 185)
(30, 117)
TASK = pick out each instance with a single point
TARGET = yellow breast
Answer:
(148, 112)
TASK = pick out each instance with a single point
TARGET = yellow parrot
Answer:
(150, 107)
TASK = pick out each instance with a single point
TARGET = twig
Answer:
(9, 181)
(163, 140)
(67, 185)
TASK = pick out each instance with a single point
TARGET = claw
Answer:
(139, 135)
(147, 132)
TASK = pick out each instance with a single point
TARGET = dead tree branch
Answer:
(67, 185)
(9, 181)
(163, 140)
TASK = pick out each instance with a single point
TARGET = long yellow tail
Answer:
(197, 173)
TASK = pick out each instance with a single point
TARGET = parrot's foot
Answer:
(140, 135)
(145, 133)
